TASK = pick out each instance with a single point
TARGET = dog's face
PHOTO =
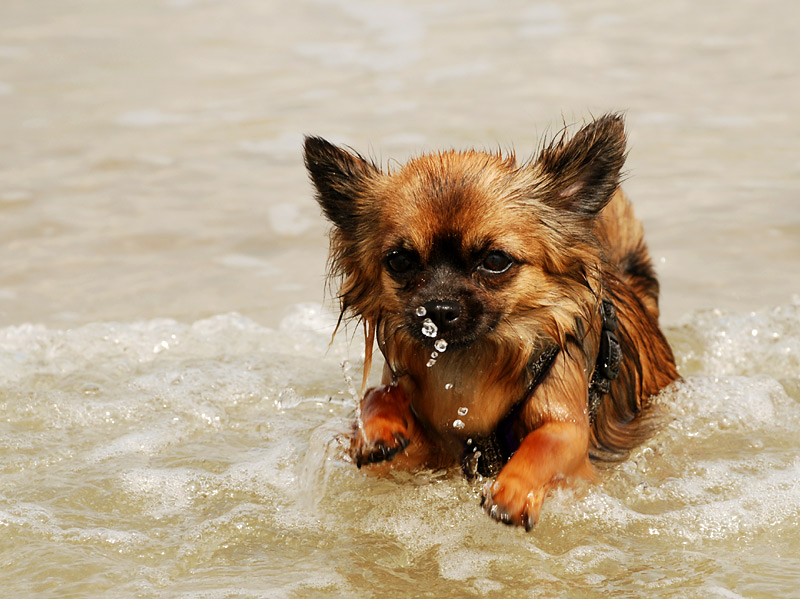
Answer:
(457, 247)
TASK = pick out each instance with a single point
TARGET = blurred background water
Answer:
(171, 407)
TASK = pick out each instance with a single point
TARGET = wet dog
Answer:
(515, 304)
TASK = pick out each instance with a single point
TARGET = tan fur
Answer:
(565, 237)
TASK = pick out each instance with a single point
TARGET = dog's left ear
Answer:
(581, 174)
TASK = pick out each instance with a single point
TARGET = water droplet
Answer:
(421, 311)
(459, 424)
(434, 354)
(440, 345)
(431, 362)
(429, 329)
(463, 411)
(448, 386)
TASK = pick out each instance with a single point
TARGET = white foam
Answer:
(163, 491)
(149, 442)
(718, 471)
(763, 342)
(226, 434)
(707, 405)
(463, 564)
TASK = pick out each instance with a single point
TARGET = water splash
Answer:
(348, 379)
(351, 389)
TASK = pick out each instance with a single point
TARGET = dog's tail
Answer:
(622, 236)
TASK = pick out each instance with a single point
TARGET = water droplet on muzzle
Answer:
(429, 329)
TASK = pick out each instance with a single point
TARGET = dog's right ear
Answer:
(340, 178)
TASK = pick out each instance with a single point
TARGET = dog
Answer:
(516, 307)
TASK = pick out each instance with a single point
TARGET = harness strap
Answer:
(609, 359)
(487, 454)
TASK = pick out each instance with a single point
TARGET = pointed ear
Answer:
(580, 175)
(340, 178)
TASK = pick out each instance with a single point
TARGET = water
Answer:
(429, 328)
(155, 458)
(173, 411)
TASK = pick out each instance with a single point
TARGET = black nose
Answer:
(443, 313)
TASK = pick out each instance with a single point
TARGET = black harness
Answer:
(609, 359)
(487, 454)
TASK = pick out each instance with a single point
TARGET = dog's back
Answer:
(623, 237)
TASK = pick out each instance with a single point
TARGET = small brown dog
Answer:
(516, 307)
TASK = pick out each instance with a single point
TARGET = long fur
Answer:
(573, 241)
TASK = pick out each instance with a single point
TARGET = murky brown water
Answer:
(169, 403)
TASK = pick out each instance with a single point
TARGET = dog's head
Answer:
(459, 246)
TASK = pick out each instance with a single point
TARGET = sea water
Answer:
(173, 414)
(155, 458)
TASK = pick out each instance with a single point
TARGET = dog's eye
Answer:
(399, 262)
(496, 262)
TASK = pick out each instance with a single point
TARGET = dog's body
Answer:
(516, 308)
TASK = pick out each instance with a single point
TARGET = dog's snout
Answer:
(443, 313)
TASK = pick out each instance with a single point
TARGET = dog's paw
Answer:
(366, 452)
(511, 500)
(383, 430)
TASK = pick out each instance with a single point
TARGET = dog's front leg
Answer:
(547, 457)
(556, 450)
(388, 430)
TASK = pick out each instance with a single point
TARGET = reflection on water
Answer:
(151, 177)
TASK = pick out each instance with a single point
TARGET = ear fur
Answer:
(582, 173)
(340, 177)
